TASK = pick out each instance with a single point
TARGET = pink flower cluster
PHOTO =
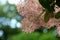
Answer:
(34, 17)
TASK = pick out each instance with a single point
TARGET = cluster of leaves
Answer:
(39, 13)
(49, 5)
(39, 34)
(34, 36)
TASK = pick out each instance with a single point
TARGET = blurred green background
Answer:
(10, 25)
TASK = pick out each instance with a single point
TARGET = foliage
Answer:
(34, 36)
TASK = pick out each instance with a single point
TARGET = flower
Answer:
(33, 15)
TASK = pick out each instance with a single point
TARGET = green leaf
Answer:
(46, 17)
(57, 15)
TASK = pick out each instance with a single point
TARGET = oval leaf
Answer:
(46, 17)
(57, 15)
